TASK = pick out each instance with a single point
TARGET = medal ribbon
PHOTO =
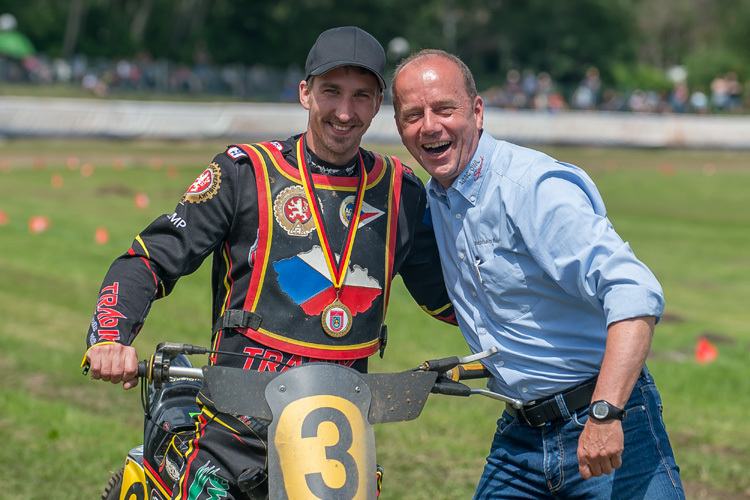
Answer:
(337, 272)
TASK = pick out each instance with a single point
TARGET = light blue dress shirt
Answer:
(534, 267)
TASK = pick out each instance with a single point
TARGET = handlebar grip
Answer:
(440, 365)
(143, 369)
(469, 372)
(449, 388)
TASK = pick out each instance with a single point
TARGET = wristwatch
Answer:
(601, 410)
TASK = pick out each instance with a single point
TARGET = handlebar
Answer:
(172, 372)
(159, 369)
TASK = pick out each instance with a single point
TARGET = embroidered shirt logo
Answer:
(205, 186)
(292, 211)
(474, 170)
(369, 213)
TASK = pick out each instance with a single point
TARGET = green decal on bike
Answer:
(206, 479)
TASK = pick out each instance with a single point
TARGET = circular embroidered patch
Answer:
(205, 186)
(292, 211)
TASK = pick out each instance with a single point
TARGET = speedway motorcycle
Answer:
(321, 439)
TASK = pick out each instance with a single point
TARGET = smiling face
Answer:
(342, 103)
(438, 122)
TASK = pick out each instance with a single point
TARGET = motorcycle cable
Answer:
(198, 429)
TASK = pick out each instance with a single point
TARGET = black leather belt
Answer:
(547, 410)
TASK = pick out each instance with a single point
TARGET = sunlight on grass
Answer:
(688, 222)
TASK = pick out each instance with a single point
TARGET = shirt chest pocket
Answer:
(505, 294)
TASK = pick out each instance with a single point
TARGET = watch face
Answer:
(600, 410)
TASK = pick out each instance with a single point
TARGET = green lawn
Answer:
(684, 213)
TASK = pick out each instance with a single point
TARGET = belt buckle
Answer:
(522, 411)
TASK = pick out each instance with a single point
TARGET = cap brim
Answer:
(333, 65)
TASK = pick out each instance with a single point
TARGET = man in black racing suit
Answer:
(306, 234)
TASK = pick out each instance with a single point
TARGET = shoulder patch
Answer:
(410, 177)
(205, 186)
(235, 152)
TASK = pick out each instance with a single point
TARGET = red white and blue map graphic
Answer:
(306, 279)
(368, 213)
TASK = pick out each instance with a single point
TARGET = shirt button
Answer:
(524, 389)
(473, 294)
(501, 363)
(461, 256)
(458, 216)
(483, 331)
(473, 199)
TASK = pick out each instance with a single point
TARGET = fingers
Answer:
(114, 363)
(600, 448)
(599, 467)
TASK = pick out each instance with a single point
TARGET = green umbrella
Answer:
(15, 44)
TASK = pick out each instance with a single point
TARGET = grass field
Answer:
(685, 213)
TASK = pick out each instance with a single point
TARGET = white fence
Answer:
(80, 118)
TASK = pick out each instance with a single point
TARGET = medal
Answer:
(336, 317)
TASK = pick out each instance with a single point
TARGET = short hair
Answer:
(469, 84)
(359, 69)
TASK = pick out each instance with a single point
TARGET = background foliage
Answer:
(620, 37)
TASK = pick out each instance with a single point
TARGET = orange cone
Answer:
(4, 218)
(101, 236)
(705, 351)
(141, 200)
(56, 180)
(38, 224)
(87, 169)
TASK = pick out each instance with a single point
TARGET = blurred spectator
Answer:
(585, 96)
(612, 101)
(734, 92)
(679, 97)
(637, 101)
(529, 85)
(699, 102)
(540, 99)
(720, 93)
(546, 97)
(515, 97)
(557, 102)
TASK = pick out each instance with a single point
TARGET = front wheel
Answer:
(114, 485)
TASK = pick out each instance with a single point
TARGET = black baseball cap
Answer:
(346, 46)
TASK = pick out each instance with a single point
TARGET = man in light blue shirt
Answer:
(535, 268)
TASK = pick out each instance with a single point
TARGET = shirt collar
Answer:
(470, 180)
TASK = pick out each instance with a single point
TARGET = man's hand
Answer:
(600, 448)
(601, 443)
(114, 363)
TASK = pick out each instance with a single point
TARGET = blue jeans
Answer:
(535, 463)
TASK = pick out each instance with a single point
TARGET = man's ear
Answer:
(304, 94)
(380, 101)
(479, 112)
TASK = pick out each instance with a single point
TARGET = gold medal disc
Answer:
(336, 319)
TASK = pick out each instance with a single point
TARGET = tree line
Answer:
(632, 42)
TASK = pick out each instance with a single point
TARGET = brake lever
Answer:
(445, 364)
